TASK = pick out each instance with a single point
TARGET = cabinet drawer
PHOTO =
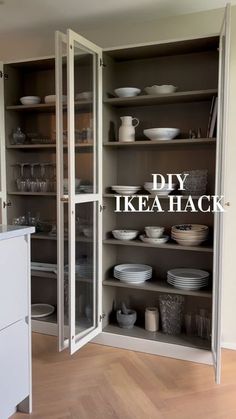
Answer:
(14, 366)
(13, 280)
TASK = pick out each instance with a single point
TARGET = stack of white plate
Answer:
(166, 189)
(188, 279)
(189, 234)
(126, 190)
(133, 273)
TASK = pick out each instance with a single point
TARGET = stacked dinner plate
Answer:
(188, 279)
(133, 273)
(189, 234)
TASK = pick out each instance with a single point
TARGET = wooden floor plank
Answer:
(101, 382)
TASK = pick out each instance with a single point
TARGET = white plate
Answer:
(155, 241)
(41, 310)
(133, 276)
(183, 273)
(187, 282)
(136, 276)
(133, 282)
(188, 288)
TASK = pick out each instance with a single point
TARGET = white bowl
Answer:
(66, 183)
(52, 99)
(157, 240)
(192, 242)
(125, 234)
(127, 91)
(125, 190)
(154, 232)
(88, 232)
(163, 192)
(84, 96)
(160, 90)
(161, 134)
(30, 100)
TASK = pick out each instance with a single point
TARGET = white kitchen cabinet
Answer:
(15, 326)
(85, 301)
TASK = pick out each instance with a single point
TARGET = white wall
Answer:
(40, 43)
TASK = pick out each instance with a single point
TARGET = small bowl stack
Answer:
(189, 234)
(166, 190)
(154, 235)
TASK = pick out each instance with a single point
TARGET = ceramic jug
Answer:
(127, 129)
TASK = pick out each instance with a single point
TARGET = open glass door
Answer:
(79, 188)
(3, 215)
(224, 47)
(62, 201)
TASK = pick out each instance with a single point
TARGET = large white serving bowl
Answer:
(125, 234)
(30, 100)
(127, 91)
(161, 134)
(52, 98)
(160, 90)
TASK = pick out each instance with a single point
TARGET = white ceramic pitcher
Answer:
(127, 129)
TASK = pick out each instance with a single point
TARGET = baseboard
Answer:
(229, 345)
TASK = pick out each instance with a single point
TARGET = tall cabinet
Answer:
(78, 135)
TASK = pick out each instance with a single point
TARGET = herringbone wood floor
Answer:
(101, 382)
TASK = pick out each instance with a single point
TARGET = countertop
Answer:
(8, 231)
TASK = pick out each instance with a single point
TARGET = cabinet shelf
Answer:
(149, 100)
(48, 107)
(157, 286)
(43, 274)
(167, 246)
(184, 197)
(33, 193)
(43, 236)
(141, 333)
(153, 144)
(45, 146)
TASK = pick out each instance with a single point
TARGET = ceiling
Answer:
(22, 15)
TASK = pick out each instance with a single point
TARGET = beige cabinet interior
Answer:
(190, 65)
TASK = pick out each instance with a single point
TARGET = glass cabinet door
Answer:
(220, 189)
(79, 158)
(3, 215)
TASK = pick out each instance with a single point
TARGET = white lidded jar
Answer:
(127, 129)
(151, 319)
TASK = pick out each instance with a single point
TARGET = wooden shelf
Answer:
(141, 333)
(184, 197)
(168, 246)
(157, 286)
(43, 236)
(33, 193)
(45, 146)
(48, 107)
(149, 100)
(152, 144)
